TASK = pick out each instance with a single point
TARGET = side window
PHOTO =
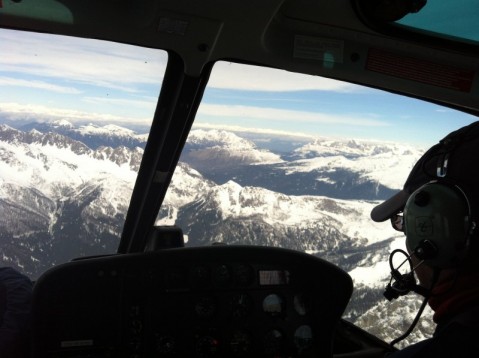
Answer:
(74, 116)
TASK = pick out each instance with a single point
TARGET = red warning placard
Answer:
(419, 70)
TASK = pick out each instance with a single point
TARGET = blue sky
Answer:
(94, 81)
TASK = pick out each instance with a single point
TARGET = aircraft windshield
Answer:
(74, 117)
(274, 158)
(282, 159)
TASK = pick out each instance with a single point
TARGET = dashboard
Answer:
(217, 301)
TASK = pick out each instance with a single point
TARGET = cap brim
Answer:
(390, 207)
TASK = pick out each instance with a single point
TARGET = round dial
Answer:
(302, 304)
(303, 338)
(273, 305)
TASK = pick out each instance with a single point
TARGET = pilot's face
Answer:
(425, 273)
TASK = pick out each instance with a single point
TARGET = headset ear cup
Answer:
(440, 215)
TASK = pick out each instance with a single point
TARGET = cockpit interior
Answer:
(175, 288)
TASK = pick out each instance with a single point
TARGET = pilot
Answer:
(438, 211)
(15, 303)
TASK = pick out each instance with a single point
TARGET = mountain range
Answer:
(65, 190)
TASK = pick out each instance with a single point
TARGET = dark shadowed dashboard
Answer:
(217, 301)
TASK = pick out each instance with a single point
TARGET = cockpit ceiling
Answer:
(325, 38)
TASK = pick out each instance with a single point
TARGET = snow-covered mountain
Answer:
(345, 169)
(306, 223)
(220, 149)
(59, 198)
(62, 195)
(92, 135)
(386, 164)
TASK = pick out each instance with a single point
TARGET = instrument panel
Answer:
(218, 301)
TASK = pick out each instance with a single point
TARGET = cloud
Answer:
(140, 103)
(39, 113)
(240, 129)
(86, 61)
(10, 81)
(228, 75)
(125, 67)
(290, 116)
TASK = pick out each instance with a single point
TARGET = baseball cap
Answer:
(455, 160)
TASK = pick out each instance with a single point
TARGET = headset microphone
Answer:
(402, 286)
(405, 283)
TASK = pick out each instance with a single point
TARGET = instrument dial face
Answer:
(303, 338)
(302, 304)
(273, 305)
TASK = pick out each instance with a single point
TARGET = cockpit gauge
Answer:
(241, 305)
(273, 305)
(302, 304)
(273, 342)
(303, 338)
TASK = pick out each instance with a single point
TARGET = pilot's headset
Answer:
(438, 224)
(440, 201)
